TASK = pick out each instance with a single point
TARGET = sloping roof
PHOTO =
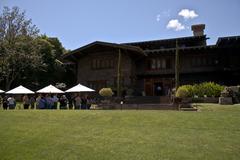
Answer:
(226, 41)
(190, 41)
(82, 49)
(168, 40)
(157, 51)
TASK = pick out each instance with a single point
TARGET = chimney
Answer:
(198, 29)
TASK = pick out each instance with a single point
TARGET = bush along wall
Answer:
(206, 89)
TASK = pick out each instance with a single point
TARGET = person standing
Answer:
(84, 103)
(1, 101)
(89, 102)
(63, 102)
(38, 101)
(70, 100)
(42, 104)
(49, 101)
(78, 102)
(55, 101)
(11, 102)
(26, 102)
(32, 102)
(5, 102)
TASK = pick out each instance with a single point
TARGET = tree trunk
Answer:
(7, 85)
(9, 81)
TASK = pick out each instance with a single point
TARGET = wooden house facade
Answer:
(148, 68)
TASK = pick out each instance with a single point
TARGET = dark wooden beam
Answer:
(177, 66)
(119, 73)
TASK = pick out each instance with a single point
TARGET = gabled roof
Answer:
(87, 47)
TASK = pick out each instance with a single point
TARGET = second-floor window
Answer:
(97, 85)
(204, 61)
(159, 63)
(102, 63)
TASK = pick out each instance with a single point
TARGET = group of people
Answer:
(48, 101)
(8, 102)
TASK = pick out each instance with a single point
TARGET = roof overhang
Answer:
(232, 41)
(99, 46)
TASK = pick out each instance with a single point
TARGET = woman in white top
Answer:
(11, 102)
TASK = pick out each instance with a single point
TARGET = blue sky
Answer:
(78, 22)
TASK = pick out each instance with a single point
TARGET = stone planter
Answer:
(177, 100)
(225, 100)
(201, 100)
(105, 101)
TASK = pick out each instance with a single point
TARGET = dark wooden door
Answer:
(148, 87)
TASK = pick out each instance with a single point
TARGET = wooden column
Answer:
(119, 73)
(177, 68)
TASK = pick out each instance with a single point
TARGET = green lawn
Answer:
(212, 133)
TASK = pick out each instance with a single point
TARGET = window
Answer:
(94, 64)
(97, 85)
(199, 61)
(168, 63)
(163, 64)
(102, 63)
(160, 63)
(98, 64)
(153, 66)
(111, 63)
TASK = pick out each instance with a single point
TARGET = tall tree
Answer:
(50, 50)
(17, 46)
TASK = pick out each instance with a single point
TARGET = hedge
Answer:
(209, 89)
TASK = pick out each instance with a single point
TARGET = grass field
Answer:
(212, 133)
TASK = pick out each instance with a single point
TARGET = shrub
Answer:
(206, 89)
(106, 92)
(198, 90)
(184, 91)
(212, 89)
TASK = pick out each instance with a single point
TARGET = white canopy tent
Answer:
(20, 90)
(1, 91)
(50, 89)
(80, 88)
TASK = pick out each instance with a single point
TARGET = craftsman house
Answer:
(148, 67)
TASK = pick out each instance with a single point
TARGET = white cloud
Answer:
(163, 14)
(175, 24)
(158, 17)
(188, 14)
